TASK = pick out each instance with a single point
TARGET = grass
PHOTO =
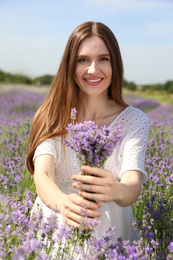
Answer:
(160, 96)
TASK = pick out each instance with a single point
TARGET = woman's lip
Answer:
(93, 81)
(93, 78)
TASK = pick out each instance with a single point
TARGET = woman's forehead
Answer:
(92, 44)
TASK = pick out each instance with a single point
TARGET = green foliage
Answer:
(47, 80)
(22, 79)
(125, 82)
(2, 76)
(44, 80)
(131, 86)
(155, 87)
(16, 78)
(169, 86)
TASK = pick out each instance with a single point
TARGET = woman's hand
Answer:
(101, 186)
(74, 208)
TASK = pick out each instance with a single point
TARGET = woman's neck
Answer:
(100, 110)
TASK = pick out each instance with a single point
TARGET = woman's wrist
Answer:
(119, 194)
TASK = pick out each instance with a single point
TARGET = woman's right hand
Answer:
(74, 208)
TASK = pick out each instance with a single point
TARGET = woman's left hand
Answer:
(101, 186)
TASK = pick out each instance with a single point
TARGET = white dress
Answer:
(128, 155)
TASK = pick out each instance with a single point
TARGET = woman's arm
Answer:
(70, 206)
(44, 177)
(105, 188)
(130, 188)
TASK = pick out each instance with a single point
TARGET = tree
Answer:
(131, 86)
(44, 80)
(169, 86)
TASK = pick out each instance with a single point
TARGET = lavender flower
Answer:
(21, 233)
(92, 145)
(73, 113)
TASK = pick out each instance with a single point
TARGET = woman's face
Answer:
(93, 70)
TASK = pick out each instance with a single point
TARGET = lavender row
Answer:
(19, 231)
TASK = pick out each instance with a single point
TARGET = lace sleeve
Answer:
(134, 150)
(46, 147)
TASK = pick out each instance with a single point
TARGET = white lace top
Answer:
(128, 155)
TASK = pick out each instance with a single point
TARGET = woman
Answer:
(89, 78)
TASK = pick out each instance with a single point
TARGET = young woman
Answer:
(89, 78)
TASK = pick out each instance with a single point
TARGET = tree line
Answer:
(47, 80)
(168, 86)
(22, 79)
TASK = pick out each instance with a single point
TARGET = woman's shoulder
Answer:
(48, 146)
(134, 114)
(131, 116)
(132, 120)
(49, 143)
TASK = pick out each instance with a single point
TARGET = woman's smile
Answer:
(93, 81)
(93, 70)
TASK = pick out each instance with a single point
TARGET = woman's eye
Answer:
(82, 60)
(104, 59)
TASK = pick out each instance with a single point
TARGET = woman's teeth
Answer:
(94, 80)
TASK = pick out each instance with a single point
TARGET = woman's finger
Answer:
(80, 201)
(94, 196)
(89, 187)
(88, 179)
(71, 222)
(94, 170)
(81, 206)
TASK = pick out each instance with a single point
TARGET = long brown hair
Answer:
(54, 114)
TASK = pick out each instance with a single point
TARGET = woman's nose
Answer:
(92, 68)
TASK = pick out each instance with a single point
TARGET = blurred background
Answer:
(33, 35)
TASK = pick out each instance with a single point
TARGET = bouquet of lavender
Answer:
(92, 145)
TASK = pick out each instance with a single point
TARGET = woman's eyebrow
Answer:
(82, 55)
(104, 54)
(86, 56)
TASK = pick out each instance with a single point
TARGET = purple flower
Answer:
(170, 247)
(73, 113)
(92, 145)
(20, 233)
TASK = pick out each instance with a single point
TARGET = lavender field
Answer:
(19, 230)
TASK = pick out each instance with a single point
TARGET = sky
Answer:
(34, 33)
